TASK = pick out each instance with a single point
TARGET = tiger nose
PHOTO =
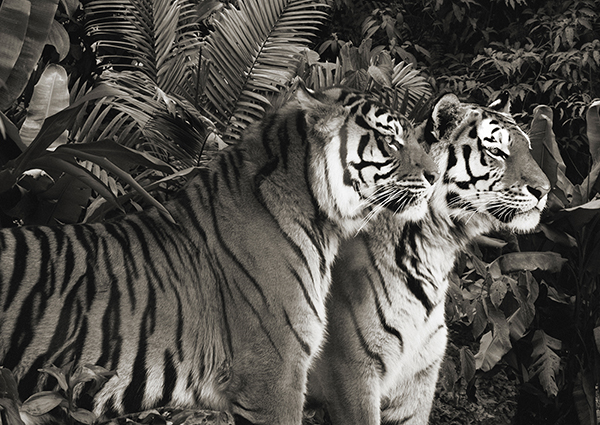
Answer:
(540, 191)
(430, 176)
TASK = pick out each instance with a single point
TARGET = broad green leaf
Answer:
(62, 203)
(489, 354)
(498, 291)
(558, 236)
(59, 38)
(71, 6)
(99, 207)
(380, 76)
(70, 166)
(448, 375)
(42, 402)
(97, 184)
(84, 416)
(546, 363)
(58, 374)
(584, 396)
(526, 292)
(50, 95)
(494, 344)
(11, 131)
(54, 126)
(517, 261)
(8, 384)
(586, 187)
(9, 409)
(545, 150)
(14, 15)
(593, 130)
(40, 20)
(597, 337)
(580, 215)
(467, 364)
(123, 157)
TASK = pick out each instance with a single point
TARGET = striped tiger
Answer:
(386, 329)
(225, 309)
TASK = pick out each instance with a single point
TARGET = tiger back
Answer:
(225, 309)
(386, 333)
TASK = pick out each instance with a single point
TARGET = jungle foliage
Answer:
(107, 106)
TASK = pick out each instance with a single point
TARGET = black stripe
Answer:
(379, 364)
(386, 326)
(301, 126)
(69, 261)
(482, 155)
(21, 250)
(227, 327)
(474, 179)
(452, 160)
(170, 378)
(148, 264)
(111, 323)
(304, 291)
(71, 324)
(120, 235)
(361, 122)
(284, 142)
(305, 347)
(223, 245)
(414, 285)
(317, 242)
(258, 317)
(365, 139)
(373, 261)
(135, 391)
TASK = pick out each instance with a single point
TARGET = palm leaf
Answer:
(254, 52)
(410, 85)
(24, 28)
(158, 38)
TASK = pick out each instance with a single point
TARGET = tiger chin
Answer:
(225, 309)
(386, 331)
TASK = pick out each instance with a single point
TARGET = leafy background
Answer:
(107, 106)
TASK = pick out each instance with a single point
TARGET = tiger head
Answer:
(371, 156)
(488, 174)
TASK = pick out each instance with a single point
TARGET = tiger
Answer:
(223, 309)
(386, 332)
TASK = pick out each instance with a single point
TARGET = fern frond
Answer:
(156, 37)
(254, 52)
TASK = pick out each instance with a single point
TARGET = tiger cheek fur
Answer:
(386, 333)
(226, 309)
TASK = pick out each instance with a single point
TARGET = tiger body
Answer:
(225, 309)
(386, 333)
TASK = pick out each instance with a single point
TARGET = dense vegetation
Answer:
(130, 95)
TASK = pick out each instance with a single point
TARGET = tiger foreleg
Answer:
(409, 403)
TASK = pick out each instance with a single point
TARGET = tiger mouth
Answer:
(409, 199)
(507, 215)
(502, 213)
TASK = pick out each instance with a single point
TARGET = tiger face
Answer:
(486, 165)
(376, 158)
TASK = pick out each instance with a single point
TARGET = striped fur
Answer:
(386, 330)
(225, 309)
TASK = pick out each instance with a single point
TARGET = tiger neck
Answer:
(424, 252)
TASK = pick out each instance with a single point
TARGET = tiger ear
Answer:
(306, 97)
(443, 117)
(502, 103)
